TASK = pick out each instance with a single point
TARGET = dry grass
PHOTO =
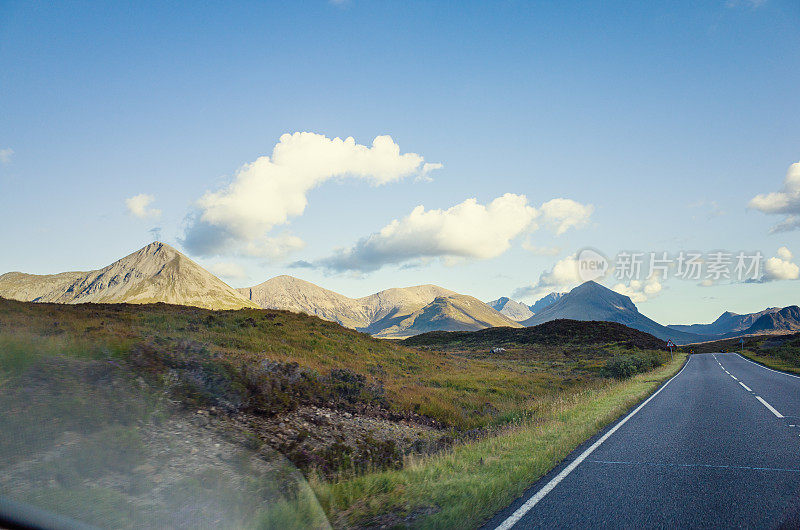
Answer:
(462, 391)
(469, 483)
(533, 404)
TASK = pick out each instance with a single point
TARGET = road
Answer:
(716, 446)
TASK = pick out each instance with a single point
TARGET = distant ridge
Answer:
(519, 311)
(392, 313)
(787, 320)
(154, 273)
(511, 308)
(726, 323)
(545, 302)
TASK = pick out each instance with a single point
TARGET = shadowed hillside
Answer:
(561, 332)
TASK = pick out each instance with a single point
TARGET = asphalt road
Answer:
(717, 446)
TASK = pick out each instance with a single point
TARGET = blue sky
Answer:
(664, 120)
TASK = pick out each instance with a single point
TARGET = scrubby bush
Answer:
(627, 365)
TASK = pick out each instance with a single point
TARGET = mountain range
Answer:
(393, 313)
(519, 311)
(159, 273)
(726, 323)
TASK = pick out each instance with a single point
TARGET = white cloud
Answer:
(228, 270)
(786, 201)
(564, 214)
(5, 155)
(562, 277)
(640, 291)
(784, 253)
(466, 230)
(269, 191)
(781, 267)
(424, 174)
(138, 205)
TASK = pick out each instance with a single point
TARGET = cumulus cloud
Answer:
(466, 230)
(228, 270)
(781, 267)
(139, 206)
(640, 291)
(269, 191)
(5, 155)
(562, 277)
(564, 214)
(784, 202)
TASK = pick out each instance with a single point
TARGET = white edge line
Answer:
(770, 407)
(770, 369)
(734, 376)
(547, 488)
(745, 386)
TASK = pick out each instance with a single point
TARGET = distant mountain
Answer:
(456, 312)
(726, 323)
(155, 273)
(786, 320)
(519, 311)
(592, 301)
(511, 308)
(393, 313)
(545, 302)
(293, 294)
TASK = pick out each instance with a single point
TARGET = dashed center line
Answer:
(763, 402)
(770, 407)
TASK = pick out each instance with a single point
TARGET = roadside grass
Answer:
(466, 485)
(783, 364)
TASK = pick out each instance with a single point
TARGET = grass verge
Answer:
(776, 363)
(466, 485)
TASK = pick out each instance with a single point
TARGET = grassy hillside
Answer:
(125, 406)
(561, 332)
(449, 389)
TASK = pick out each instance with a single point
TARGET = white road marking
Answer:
(770, 369)
(745, 386)
(733, 376)
(547, 488)
(770, 407)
